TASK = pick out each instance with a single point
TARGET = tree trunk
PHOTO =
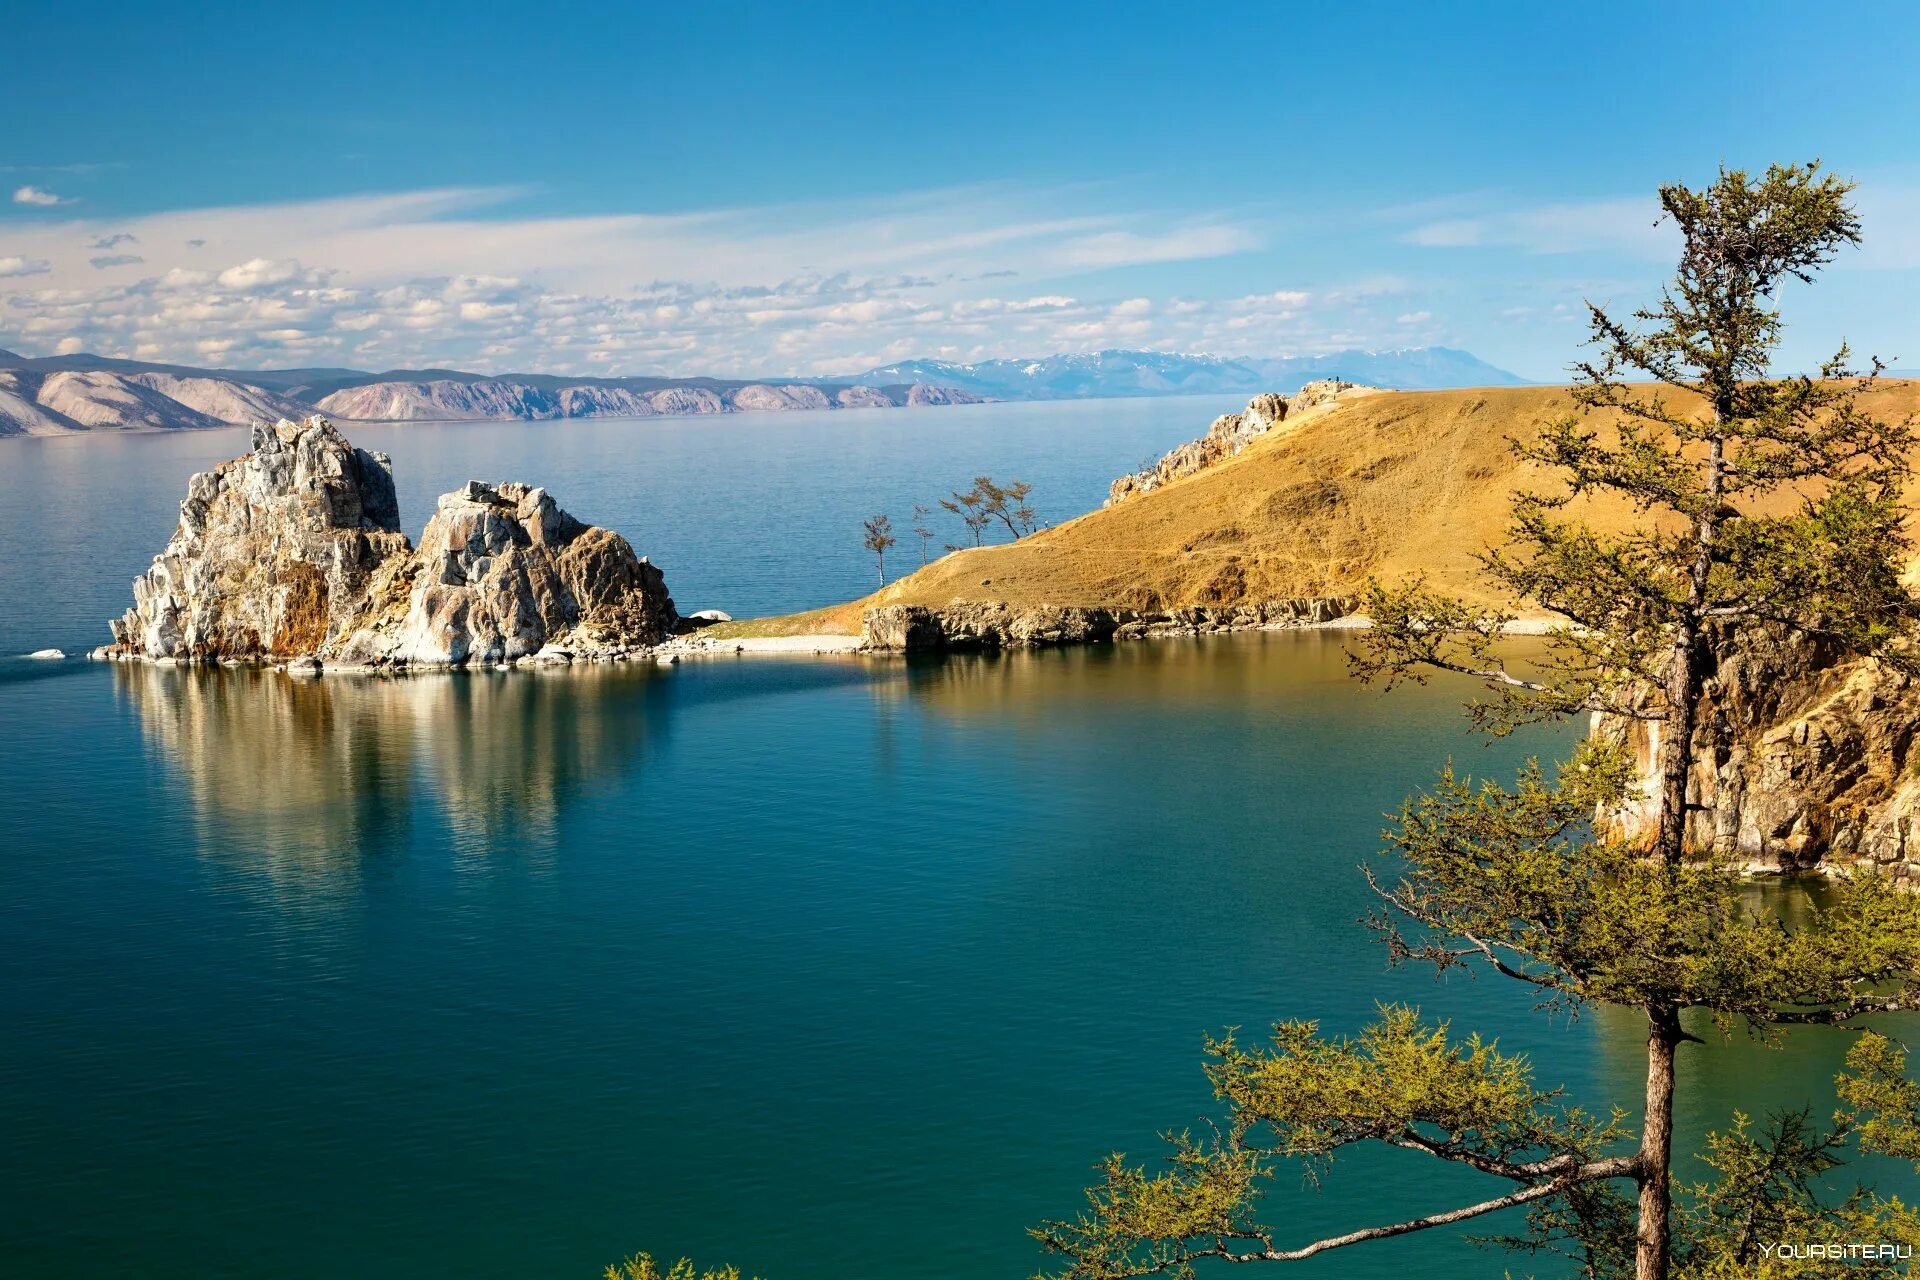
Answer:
(1651, 1243)
(1676, 744)
(1683, 672)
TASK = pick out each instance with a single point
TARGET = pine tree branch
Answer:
(1593, 1171)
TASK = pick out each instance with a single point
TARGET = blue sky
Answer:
(735, 189)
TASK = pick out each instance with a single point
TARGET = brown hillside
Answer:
(1384, 486)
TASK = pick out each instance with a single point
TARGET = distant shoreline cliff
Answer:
(68, 394)
(65, 402)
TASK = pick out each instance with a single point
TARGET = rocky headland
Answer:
(1232, 432)
(292, 554)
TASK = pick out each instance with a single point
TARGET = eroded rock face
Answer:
(273, 552)
(501, 574)
(1804, 756)
(1229, 434)
(913, 628)
(293, 553)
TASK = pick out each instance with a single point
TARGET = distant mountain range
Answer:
(1156, 373)
(54, 395)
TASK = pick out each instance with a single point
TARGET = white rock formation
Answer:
(293, 553)
(273, 551)
(502, 573)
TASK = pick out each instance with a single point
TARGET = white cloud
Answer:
(1413, 317)
(422, 278)
(1628, 226)
(1125, 248)
(38, 196)
(259, 271)
(17, 266)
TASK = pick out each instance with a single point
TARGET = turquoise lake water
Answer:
(832, 968)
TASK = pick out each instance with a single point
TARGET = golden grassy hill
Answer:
(1381, 486)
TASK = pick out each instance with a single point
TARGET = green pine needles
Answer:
(1768, 506)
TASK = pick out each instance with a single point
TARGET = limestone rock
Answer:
(292, 553)
(1804, 756)
(1232, 432)
(503, 573)
(273, 551)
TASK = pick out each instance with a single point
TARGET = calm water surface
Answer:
(832, 968)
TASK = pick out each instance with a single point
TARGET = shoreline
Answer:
(695, 645)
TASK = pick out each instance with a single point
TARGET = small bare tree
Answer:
(1007, 504)
(968, 506)
(920, 530)
(879, 538)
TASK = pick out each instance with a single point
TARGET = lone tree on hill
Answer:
(988, 501)
(879, 538)
(967, 507)
(920, 530)
(1007, 504)
(1769, 506)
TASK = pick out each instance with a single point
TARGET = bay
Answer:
(827, 967)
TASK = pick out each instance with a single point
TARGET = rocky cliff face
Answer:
(1232, 432)
(37, 403)
(274, 550)
(503, 573)
(1804, 757)
(919, 628)
(293, 552)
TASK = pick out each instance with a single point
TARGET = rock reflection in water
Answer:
(300, 780)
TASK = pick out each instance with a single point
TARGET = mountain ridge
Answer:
(78, 392)
(1121, 371)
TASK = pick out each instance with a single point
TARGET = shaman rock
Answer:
(273, 551)
(502, 572)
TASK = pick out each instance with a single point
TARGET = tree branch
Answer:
(1593, 1171)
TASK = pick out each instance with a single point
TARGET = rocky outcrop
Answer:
(503, 573)
(1232, 432)
(293, 553)
(273, 552)
(1805, 757)
(756, 396)
(920, 628)
(925, 394)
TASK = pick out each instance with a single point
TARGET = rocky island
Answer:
(292, 553)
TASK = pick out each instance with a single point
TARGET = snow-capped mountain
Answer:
(1161, 373)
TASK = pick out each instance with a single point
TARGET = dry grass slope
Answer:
(1385, 486)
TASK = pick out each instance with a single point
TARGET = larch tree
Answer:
(879, 536)
(1766, 506)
